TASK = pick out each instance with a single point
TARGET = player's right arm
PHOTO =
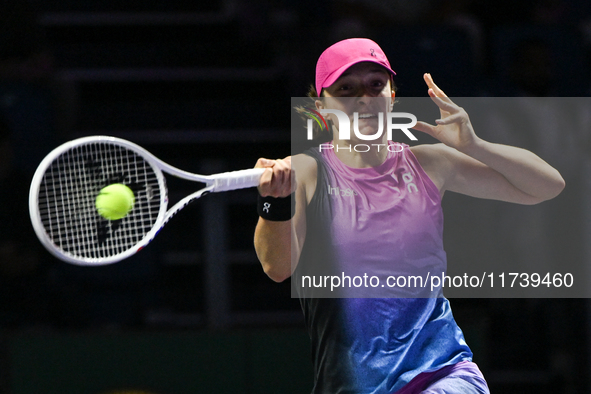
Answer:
(273, 241)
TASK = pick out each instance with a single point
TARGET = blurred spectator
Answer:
(502, 12)
(23, 46)
(559, 12)
(367, 18)
(537, 61)
(531, 72)
(550, 12)
(385, 14)
(23, 298)
(460, 14)
(37, 106)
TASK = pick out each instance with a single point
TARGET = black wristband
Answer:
(276, 209)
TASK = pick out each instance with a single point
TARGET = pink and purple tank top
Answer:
(384, 221)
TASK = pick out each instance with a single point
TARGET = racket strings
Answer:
(68, 192)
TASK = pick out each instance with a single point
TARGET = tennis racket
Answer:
(65, 186)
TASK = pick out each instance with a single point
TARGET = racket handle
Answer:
(237, 179)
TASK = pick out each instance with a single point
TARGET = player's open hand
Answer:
(453, 128)
(278, 180)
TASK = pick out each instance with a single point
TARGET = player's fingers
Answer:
(265, 182)
(425, 127)
(292, 184)
(437, 91)
(431, 84)
(283, 182)
(273, 180)
(266, 178)
(444, 103)
(264, 163)
(278, 179)
(287, 161)
(455, 118)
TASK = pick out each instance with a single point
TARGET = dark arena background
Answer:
(206, 87)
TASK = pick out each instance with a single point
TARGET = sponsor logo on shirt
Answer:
(409, 182)
(337, 191)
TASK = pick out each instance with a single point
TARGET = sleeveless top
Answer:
(381, 222)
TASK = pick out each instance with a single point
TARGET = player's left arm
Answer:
(466, 164)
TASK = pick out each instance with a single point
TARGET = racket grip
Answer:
(237, 179)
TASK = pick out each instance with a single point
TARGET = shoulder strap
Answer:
(320, 203)
(317, 257)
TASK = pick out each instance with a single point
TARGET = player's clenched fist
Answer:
(278, 180)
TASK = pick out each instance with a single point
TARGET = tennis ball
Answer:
(115, 201)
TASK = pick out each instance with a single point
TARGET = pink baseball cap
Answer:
(342, 55)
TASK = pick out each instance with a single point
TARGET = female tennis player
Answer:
(389, 217)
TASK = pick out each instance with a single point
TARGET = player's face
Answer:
(364, 88)
(365, 79)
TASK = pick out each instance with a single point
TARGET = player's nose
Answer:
(364, 98)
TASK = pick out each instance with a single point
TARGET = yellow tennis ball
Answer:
(115, 201)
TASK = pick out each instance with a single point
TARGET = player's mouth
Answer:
(367, 116)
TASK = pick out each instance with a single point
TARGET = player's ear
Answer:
(319, 104)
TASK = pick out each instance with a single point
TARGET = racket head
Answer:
(63, 194)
